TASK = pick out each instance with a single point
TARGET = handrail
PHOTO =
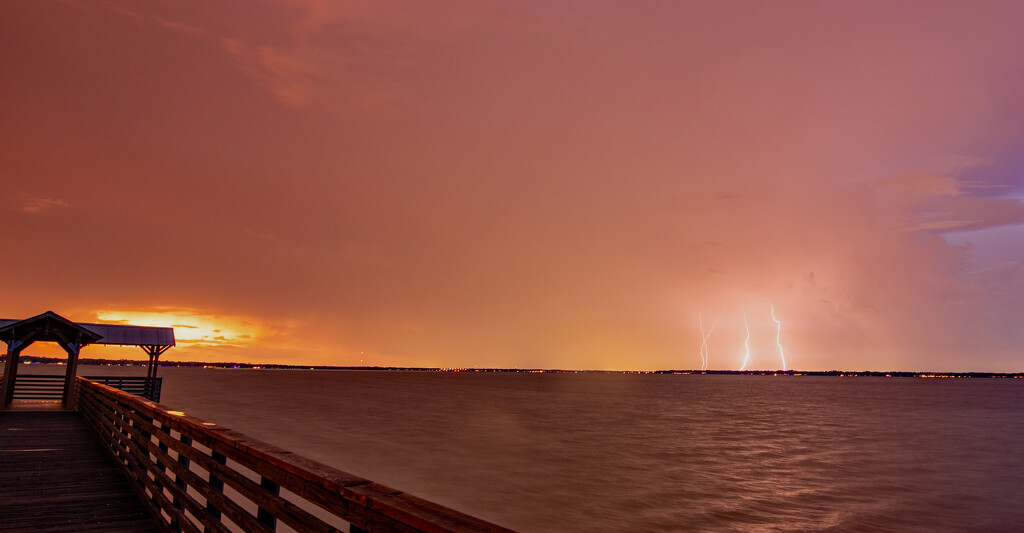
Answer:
(147, 387)
(39, 387)
(51, 386)
(182, 467)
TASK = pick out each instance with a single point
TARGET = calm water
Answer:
(596, 452)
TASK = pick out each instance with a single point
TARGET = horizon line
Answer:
(284, 366)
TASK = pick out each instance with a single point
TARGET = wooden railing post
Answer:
(263, 515)
(179, 480)
(145, 434)
(216, 484)
(159, 466)
(122, 428)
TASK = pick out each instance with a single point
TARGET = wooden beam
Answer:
(69, 376)
(154, 352)
(10, 377)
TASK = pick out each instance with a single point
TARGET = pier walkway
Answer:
(56, 476)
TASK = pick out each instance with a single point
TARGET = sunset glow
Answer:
(191, 329)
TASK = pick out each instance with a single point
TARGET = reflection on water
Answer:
(556, 452)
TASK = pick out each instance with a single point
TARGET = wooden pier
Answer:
(120, 462)
(56, 476)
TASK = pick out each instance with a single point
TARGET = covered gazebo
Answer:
(72, 337)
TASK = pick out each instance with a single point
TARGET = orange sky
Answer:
(531, 184)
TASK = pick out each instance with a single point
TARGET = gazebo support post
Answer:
(154, 357)
(10, 376)
(154, 352)
(73, 350)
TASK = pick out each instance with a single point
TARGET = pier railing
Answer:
(39, 387)
(197, 476)
(51, 387)
(148, 388)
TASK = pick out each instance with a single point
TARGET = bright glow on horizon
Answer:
(191, 328)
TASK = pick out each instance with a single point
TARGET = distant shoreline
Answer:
(29, 359)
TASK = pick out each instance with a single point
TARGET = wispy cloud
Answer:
(932, 185)
(924, 202)
(322, 61)
(37, 205)
(312, 56)
(132, 11)
(343, 57)
(337, 56)
(295, 79)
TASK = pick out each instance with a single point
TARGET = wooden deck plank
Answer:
(56, 476)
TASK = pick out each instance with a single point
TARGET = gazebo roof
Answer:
(132, 335)
(50, 327)
(95, 333)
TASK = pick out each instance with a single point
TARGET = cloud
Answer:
(358, 57)
(36, 205)
(922, 202)
(132, 11)
(923, 185)
(293, 80)
(281, 46)
(321, 62)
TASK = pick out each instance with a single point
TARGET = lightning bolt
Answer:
(778, 335)
(704, 341)
(746, 343)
